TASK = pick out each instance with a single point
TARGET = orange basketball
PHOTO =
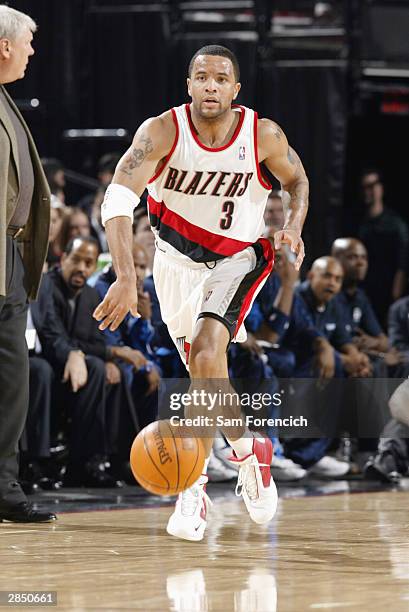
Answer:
(164, 461)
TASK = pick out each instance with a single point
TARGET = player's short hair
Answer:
(219, 51)
(12, 22)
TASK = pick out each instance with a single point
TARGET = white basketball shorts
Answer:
(224, 290)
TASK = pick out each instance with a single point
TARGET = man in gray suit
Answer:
(24, 222)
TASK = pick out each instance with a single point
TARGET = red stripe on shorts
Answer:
(269, 257)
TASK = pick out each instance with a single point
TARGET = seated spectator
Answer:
(286, 322)
(386, 238)
(362, 322)
(318, 292)
(86, 379)
(75, 223)
(130, 342)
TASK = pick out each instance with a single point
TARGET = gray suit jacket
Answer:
(35, 236)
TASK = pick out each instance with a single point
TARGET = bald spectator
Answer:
(386, 238)
(324, 282)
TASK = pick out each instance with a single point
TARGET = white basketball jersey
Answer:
(204, 203)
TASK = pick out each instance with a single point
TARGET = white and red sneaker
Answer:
(255, 483)
(189, 518)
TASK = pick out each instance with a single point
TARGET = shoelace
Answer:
(192, 497)
(247, 479)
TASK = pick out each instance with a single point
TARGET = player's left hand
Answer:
(295, 242)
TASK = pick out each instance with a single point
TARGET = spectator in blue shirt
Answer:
(362, 322)
(318, 292)
(282, 319)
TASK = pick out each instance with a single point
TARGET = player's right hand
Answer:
(295, 242)
(122, 297)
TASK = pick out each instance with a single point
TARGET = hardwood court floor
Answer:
(342, 552)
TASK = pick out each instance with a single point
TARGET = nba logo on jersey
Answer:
(242, 153)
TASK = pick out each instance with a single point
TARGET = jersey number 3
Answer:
(227, 219)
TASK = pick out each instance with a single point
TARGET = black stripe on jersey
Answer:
(195, 251)
(153, 220)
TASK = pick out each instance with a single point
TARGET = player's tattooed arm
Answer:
(152, 142)
(136, 155)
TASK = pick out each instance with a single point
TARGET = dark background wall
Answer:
(97, 67)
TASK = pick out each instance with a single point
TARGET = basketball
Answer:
(164, 460)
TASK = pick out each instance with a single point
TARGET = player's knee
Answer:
(204, 362)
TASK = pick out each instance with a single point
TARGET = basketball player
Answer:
(207, 194)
